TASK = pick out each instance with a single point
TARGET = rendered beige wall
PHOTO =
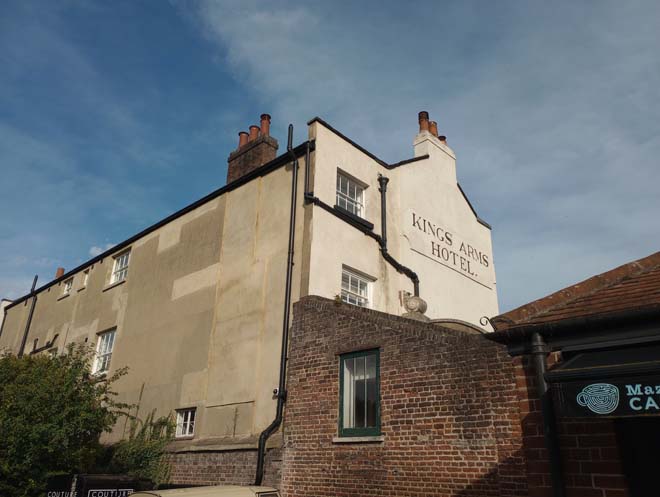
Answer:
(427, 186)
(199, 317)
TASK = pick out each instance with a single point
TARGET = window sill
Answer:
(183, 437)
(81, 288)
(62, 297)
(363, 222)
(112, 285)
(351, 440)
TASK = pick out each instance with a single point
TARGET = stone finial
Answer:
(415, 307)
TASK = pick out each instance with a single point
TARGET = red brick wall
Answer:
(449, 410)
(236, 467)
(590, 454)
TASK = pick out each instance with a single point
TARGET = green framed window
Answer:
(359, 394)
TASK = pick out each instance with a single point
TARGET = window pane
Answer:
(349, 368)
(372, 390)
(360, 391)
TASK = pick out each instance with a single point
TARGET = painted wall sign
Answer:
(619, 397)
(442, 244)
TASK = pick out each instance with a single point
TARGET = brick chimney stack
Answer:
(254, 150)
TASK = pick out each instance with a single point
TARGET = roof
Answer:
(631, 288)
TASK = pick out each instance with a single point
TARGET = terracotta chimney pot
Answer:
(433, 128)
(59, 273)
(423, 121)
(254, 133)
(265, 124)
(242, 138)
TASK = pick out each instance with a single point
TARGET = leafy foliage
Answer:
(143, 454)
(52, 412)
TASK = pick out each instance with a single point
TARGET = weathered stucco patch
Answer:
(195, 281)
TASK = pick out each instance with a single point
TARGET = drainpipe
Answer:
(281, 389)
(382, 181)
(29, 319)
(539, 351)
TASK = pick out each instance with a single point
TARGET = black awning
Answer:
(609, 383)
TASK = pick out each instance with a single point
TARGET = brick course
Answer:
(235, 467)
(449, 409)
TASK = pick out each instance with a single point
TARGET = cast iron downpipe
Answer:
(382, 181)
(539, 351)
(281, 389)
(29, 319)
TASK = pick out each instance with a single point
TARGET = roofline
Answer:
(518, 333)
(479, 220)
(364, 150)
(394, 165)
(516, 317)
(267, 168)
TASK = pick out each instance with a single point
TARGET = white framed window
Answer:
(104, 346)
(355, 288)
(68, 285)
(185, 422)
(85, 278)
(120, 267)
(350, 195)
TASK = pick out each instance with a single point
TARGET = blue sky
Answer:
(115, 114)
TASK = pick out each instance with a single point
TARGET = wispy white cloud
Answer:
(95, 250)
(552, 111)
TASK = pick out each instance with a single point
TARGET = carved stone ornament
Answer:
(415, 308)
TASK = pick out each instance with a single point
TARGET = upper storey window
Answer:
(68, 285)
(120, 267)
(355, 288)
(350, 195)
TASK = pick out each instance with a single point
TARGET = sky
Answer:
(115, 114)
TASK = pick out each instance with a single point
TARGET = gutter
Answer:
(29, 319)
(271, 166)
(518, 333)
(281, 389)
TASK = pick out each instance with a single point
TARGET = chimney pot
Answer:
(242, 138)
(443, 138)
(265, 124)
(59, 273)
(423, 121)
(254, 133)
(433, 128)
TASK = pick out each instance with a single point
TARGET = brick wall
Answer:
(590, 455)
(449, 409)
(235, 467)
(251, 156)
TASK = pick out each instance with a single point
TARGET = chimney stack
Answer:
(423, 121)
(254, 150)
(59, 273)
(433, 128)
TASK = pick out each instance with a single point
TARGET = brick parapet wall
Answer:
(449, 409)
(230, 467)
(590, 455)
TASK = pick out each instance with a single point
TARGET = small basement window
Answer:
(359, 394)
(120, 267)
(350, 195)
(185, 422)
